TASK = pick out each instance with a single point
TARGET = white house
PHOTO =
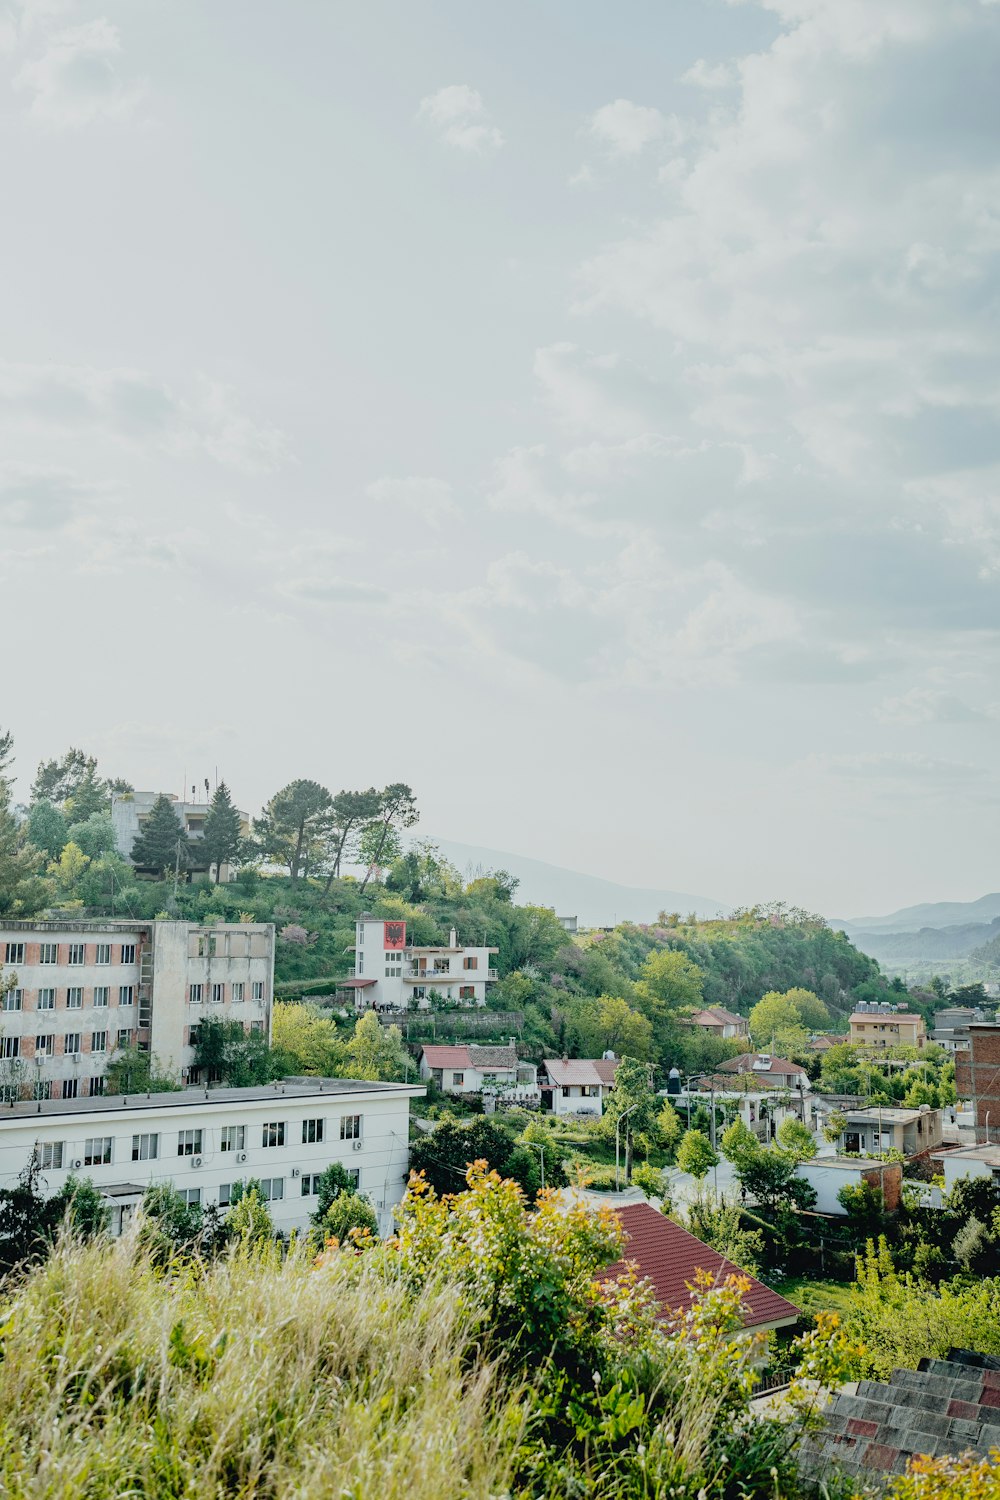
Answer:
(875, 1129)
(390, 973)
(85, 990)
(969, 1161)
(473, 1069)
(204, 1140)
(720, 1022)
(578, 1086)
(829, 1174)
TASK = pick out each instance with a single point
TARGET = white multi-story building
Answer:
(391, 973)
(129, 811)
(85, 990)
(204, 1140)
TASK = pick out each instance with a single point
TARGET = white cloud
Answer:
(926, 706)
(459, 115)
(430, 499)
(75, 80)
(710, 76)
(140, 409)
(624, 128)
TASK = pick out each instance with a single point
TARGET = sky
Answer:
(588, 414)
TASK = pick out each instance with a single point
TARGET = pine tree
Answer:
(161, 841)
(223, 835)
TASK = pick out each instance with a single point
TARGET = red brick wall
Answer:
(977, 1077)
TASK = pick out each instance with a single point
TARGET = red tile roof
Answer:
(717, 1015)
(669, 1257)
(746, 1061)
(564, 1071)
(446, 1057)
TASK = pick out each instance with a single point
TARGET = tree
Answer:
(350, 813)
(47, 829)
(73, 784)
(445, 1156)
(6, 755)
(739, 1144)
(293, 827)
(375, 1051)
(669, 1128)
(632, 1093)
(348, 1212)
(397, 809)
(720, 1225)
(608, 1024)
(249, 1219)
(81, 1205)
(378, 849)
(768, 1175)
(94, 836)
(23, 892)
(132, 1071)
(776, 1024)
(161, 845)
(240, 1058)
(223, 836)
(796, 1137)
(696, 1155)
(308, 1039)
(669, 984)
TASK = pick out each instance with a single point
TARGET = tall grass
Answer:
(255, 1376)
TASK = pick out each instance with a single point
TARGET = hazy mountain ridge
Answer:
(929, 914)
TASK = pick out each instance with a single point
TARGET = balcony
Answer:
(492, 974)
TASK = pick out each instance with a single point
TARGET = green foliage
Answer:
(720, 1225)
(234, 1056)
(864, 1205)
(23, 892)
(650, 1179)
(669, 1128)
(608, 1023)
(132, 1071)
(248, 1219)
(161, 845)
(445, 1156)
(632, 1101)
(47, 829)
(670, 984)
(79, 1204)
(778, 1021)
(307, 1040)
(797, 1139)
(29, 1220)
(349, 1215)
(294, 825)
(375, 1051)
(222, 839)
(696, 1155)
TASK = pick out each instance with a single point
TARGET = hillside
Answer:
(927, 943)
(927, 914)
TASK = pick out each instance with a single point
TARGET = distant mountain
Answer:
(930, 914)
(927, 944)
(595, 902)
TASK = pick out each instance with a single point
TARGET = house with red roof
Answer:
(763, 1065)
(720, 1022)
(473, 1070)
(669, 1258)
(578, 1085)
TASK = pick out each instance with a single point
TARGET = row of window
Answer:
(98, 1150)
(272, 1189)
(48, 1088)
(75, 953)
(46, 1044)
(47, 999)
(217, 992)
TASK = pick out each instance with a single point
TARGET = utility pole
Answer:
(177, 867)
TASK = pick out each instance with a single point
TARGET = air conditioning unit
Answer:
(296, 1172)
(196, 1161)
(359, 1145)
(77, 1164)
(241, 1156)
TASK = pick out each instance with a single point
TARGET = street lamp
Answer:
(540, 1148)
(618, 1126)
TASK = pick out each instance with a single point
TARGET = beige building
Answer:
(85, 991)
(876, 1025)
(875, 1130)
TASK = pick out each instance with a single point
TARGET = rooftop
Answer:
(759, 1062)
(888, 1116)
(987, 1153)
(470, 1056)
(565, 1071)
(198, 1098)
(669, 1257)
(847, 1163)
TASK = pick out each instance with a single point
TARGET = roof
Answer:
(887, 1015)
(717, 1015)
(566, 1071)
(202, 1098)
(354, 984)
(847, 1163)
(445, 1057)
(987, 1153)
(759, 1062)
(945, 1406)
(669, 1257)
(821, 1043)
(485, 1059)
(887, 1115)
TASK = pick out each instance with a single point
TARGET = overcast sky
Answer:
(588, 413)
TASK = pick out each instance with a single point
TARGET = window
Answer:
(218, 994)
(467, 992)
(310, 1184)
(470, 963)
(361, 933)
(71, 1042)
(45, 1046)
(312, 1132)
(48, 953)
(458, 1080)
(123, 1037)
(125, 994)
(97, 1151)
(257, 990)
(350, 1128)
(50, 1155)
(360, 965)
(97, 1087)
(71, 1088)
(13, 1000)
(10, 1046)
(128, 953)
(233, 1137)
(189, 1143)
(239, 992)
(41, 1090)
(74, 997)
(76, 953)
(102, 995)
(46, 999)
(14, 953)
(194, 994)
(257, 1026)
(225, 1194)
(103, 953)
(273, 1133)
(191, 1196)
(98, 1041)
(272, 1188)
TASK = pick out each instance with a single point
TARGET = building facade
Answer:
(763, 1065)
(718, 1021)
(827, 1175)
(84, 991)
(474, 1070)
(876, 1025)
(977, 1077)
(874, 1130)
(578, 1085)
(129, 810)
(391, 973)
(204, 1140)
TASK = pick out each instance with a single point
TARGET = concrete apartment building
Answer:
(877, 1025)
(977, 1077)
(390, 973)
(86, 990)
(202, 1141)
(870, 1131)
(129, 810)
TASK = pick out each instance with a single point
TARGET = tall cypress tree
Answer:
(223, 835)
(156, 847)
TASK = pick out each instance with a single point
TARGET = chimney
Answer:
(565, 1058)
(453, 943)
